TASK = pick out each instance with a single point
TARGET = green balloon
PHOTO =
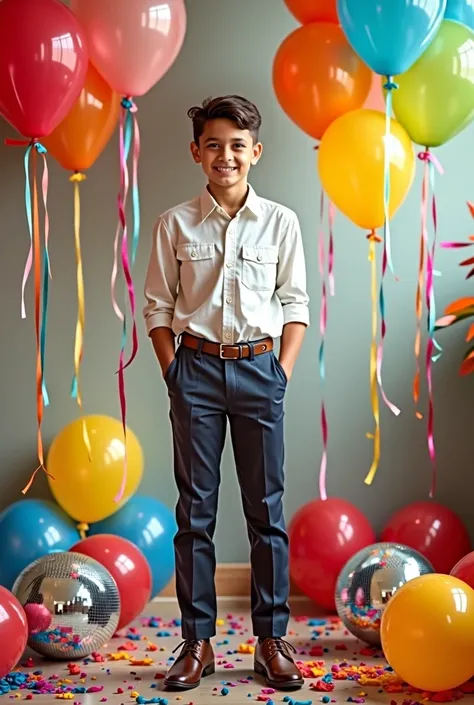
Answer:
(435, 98)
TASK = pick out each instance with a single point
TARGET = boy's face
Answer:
(225, 152)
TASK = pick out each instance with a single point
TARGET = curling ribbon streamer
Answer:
(34, 258)
(322, 366)
(128, 127)
(76, 179)
(431, 164)
(389, 86)
(373, 239)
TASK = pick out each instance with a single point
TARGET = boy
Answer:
(226, 277)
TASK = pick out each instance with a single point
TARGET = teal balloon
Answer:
(461, 11)
(30, 529)
(390, 35)
(151, 526)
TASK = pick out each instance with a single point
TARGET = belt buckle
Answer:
(222, 347)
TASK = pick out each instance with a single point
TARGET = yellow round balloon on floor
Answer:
(427, 632)
(351, 166)
(85, 487)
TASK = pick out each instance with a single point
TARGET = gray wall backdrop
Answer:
(230, 48)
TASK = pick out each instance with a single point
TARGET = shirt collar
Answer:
(209, 204)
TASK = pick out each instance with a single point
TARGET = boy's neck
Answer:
(230, 199)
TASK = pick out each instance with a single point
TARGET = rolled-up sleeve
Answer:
(291, 277)
(161, 283)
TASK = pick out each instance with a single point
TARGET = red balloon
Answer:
(324, 534)
(433, 530)
(43, 64)
(464, 569)
(13, 631)
(129, 568)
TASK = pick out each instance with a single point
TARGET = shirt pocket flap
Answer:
(198, 251)
(261, 255)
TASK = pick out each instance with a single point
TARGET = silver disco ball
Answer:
(368, 581)
(72, 605)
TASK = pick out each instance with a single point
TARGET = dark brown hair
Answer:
(231, 107)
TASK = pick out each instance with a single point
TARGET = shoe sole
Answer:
(278, 685)
(177, 685)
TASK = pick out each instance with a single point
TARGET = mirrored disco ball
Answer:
(72, 603)
(368, 581)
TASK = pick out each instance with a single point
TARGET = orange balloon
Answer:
(307, 11)
(318, 77)
(81, 137)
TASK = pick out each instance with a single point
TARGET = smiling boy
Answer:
(226, 278)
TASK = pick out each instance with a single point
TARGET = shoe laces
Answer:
(189, 645)
(282, 646)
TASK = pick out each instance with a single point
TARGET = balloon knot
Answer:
(83, 528)
(316, 147)
(390, 85)
(425, 156)
(77, 177)
(40, 148)
(373, 237)
(128, 104)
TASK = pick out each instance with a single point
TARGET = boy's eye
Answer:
(239, 145)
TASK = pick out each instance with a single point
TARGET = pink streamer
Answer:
(322, 330)
(332, 215)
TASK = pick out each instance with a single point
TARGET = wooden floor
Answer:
(134, 667)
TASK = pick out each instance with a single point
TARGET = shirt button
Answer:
(259, 258)
(229, 265)
(194, 253)
(228, 336)
(228, 300)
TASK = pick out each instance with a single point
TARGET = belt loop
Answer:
(251, 352)
(199, 348)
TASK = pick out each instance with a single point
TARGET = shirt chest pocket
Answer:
(259, 267)
(196, 259)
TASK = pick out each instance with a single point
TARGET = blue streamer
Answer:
(389, 86)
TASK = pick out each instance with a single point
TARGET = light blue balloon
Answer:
(29, 529)
(150, 525)
(461, 11)
(390, 35)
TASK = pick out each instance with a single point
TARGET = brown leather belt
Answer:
(227, 352)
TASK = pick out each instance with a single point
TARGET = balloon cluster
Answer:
(131, 539)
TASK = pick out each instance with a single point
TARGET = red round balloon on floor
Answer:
(433, 530)
(324, 534)
(13, 631)
(129, 568)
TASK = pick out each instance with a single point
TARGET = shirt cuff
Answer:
(296, 313)
(159, 320)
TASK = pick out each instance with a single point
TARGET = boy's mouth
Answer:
(225, 169)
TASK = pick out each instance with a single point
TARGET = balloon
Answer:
(13, 631)
(317, 77)
(127, 565)
(460, 11)
(307, 11)
(29, 529)
(435, 100)
(43, 63)
(38, 617)
(351, 166)
(428, 632)
(464, 569)
(132, 44)
(81, 137)
(433, 530)
(375, 99)
(150, 525)
(86, 487)
(390, 36)
(324, 534)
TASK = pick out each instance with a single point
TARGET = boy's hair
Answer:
(231, 107)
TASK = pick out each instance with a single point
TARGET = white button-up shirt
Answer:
(228, 280)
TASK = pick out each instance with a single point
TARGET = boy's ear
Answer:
(195, 152)
(257, 153)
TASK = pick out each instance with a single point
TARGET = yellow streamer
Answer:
(373, 239)
(76, 179)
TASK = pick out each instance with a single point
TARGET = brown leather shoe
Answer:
(274, 661)
(195, 661)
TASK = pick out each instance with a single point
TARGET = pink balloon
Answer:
(375, 99)
(43, 64)
(38, 616)
(132, 43)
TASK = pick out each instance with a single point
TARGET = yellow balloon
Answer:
(351, 166)
(86, 488)
(427, 632)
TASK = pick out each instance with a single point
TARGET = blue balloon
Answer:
(150, 525)
(390, 35)
(29, 529)
(461, 11)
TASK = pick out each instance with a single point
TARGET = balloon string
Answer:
(420, 285)
(331, 278)
(46, 276)
(389, 86)
(383, 328)
(375, 436)
(29, 259)
(76, 179)
(322, 366)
